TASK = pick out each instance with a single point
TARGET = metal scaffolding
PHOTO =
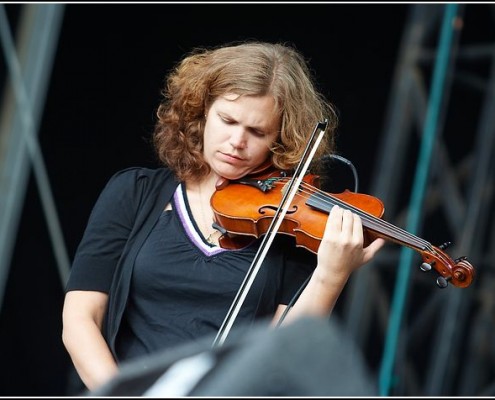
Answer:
(443, 344)
(29, 63)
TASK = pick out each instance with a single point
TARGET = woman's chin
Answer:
(232, 174)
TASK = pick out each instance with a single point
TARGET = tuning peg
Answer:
(442, 282)
(425, 267)
(443, 246)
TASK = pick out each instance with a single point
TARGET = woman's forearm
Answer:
(319, 297)
(89, 353)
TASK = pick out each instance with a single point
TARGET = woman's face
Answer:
(238, 133)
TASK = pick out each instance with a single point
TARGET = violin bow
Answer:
(289, 194)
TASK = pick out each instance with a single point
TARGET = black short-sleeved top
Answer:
(166, 284)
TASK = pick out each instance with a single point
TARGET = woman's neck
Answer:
(199, 194)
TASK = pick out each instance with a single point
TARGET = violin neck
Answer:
(384, 229)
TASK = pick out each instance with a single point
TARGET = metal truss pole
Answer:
(436, 104)
(29, 67)
(469, 308)
(366, 286)
(447, 348)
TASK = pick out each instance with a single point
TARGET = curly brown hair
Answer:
(249, 68)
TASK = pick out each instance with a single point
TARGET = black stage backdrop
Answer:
(99, 113)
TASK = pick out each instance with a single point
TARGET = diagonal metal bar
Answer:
(21, 113)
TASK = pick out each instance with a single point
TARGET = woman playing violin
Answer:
(149, 273)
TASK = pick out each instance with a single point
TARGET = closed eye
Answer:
(257, 133)
(254, 131)
(227, 121)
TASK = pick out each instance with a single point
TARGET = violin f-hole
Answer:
(262, 211)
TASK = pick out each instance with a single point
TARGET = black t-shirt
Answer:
(121, 254)
(182, 286)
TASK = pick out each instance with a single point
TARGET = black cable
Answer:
(350, 165)
(293, 300)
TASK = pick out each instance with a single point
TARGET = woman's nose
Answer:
(238, 138)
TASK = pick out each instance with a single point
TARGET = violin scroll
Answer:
(459, 272)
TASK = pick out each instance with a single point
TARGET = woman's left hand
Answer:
(342, 248)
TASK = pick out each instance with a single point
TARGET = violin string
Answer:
(374, 223)
(377, 224)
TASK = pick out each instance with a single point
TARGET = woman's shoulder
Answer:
(135, 174)
(132, 181)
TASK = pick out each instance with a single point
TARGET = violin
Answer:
(244, 210)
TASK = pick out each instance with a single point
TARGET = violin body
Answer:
(245, 209)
